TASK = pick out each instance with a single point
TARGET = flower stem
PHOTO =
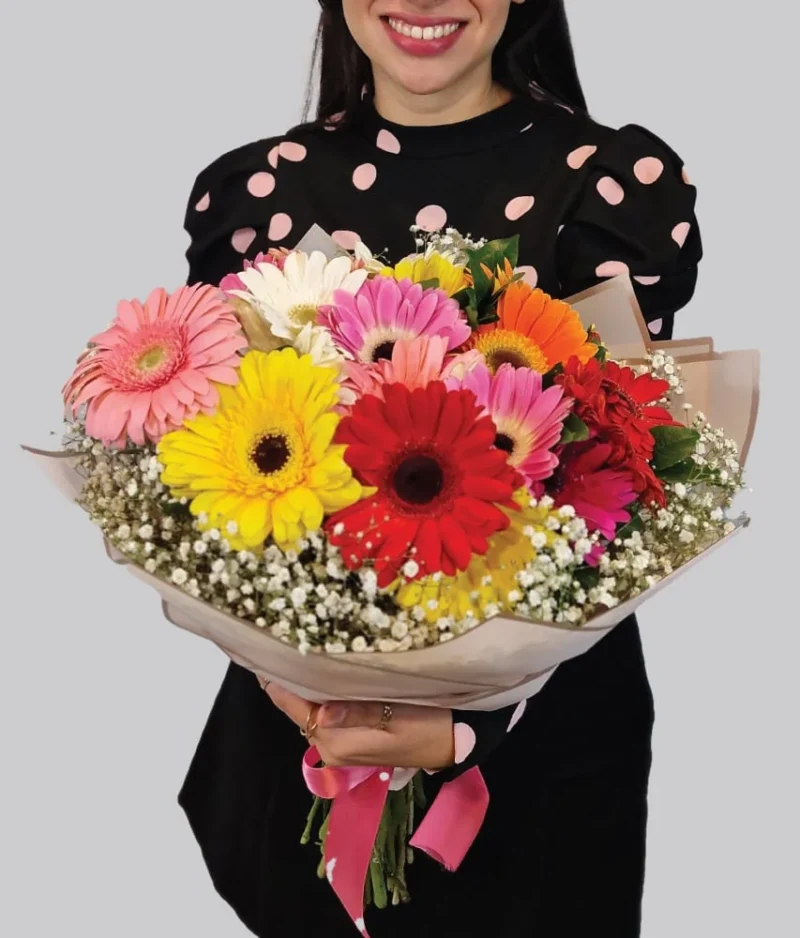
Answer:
(312, 814)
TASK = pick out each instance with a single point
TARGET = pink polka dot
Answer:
(279, 226)
(261, 184)
(685, 177)
(530, 274)
(431, 218)
(242, 239)
(578, 157)
(560, 229)
(565, 107)
(294, 152)
(346, 239)
(655, 326)
(519, 206)
(680, 233)
(364, 176)
(388, 142)
(272, 157)
(464, 738)
(526, 128)
(610, 190)
(648, 169)
(647, 281)
(517, 715)
(203, 204)
(611, 269)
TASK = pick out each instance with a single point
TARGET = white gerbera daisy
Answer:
(289, 299)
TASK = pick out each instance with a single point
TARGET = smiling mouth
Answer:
(425, 33)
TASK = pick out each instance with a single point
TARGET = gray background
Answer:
(110, 110)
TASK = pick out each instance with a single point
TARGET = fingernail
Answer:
(335, 714)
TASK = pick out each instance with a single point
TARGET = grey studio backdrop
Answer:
(109, 111)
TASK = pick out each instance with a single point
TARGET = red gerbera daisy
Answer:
(620, 408)
(440, 482)
(612, 396)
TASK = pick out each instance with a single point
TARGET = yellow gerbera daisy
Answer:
(264, 461)
(430, 266)
(488, 580)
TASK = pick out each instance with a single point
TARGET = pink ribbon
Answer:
(359, 794)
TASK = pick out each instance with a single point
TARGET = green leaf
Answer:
(495, 253)
(481, 284)
(673, 445)
(679, 472)
(472, 316)
(575, 430)
(549, 378)
(635, 524)
(588, 577)
(432, 284)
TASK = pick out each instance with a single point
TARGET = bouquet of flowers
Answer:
(426, 482)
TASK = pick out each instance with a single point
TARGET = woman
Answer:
(466, 113)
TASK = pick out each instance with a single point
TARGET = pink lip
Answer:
(423, 48)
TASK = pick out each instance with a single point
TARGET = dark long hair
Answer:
(534, 57)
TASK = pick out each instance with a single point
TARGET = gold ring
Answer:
(386, 717)
(310, 728)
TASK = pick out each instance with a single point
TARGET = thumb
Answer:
(343, 714)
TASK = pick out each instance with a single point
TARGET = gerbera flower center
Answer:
(635, 406)
(504, 442)
(504, 347)
(152, 358)
(419, 479)
(383, 351)
(271, 453)
(302, 314)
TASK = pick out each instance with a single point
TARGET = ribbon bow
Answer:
(359, 795)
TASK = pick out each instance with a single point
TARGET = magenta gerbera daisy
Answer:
(529, 420)
(367, 325)
(600, 493)
(156, 365)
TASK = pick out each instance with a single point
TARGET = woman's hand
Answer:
(351, 733)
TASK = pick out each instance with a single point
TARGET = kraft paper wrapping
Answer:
(505, 659)
(500, 662)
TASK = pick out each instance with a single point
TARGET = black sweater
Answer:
(562, 850)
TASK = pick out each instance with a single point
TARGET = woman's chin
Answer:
(425, 79)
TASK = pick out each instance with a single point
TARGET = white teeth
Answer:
(427, 34)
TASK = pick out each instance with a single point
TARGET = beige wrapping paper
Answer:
(505, 659)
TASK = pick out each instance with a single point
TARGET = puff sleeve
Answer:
(229, 211)
(635, 214)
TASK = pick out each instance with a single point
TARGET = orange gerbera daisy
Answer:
(533, 331)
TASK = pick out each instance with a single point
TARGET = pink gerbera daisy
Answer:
(599, 493)
(414, 363)
(154, 366)
(529, 420)
(383, 311)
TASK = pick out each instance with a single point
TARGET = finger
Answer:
(354, 746)
(349, 714)
(296, 708)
